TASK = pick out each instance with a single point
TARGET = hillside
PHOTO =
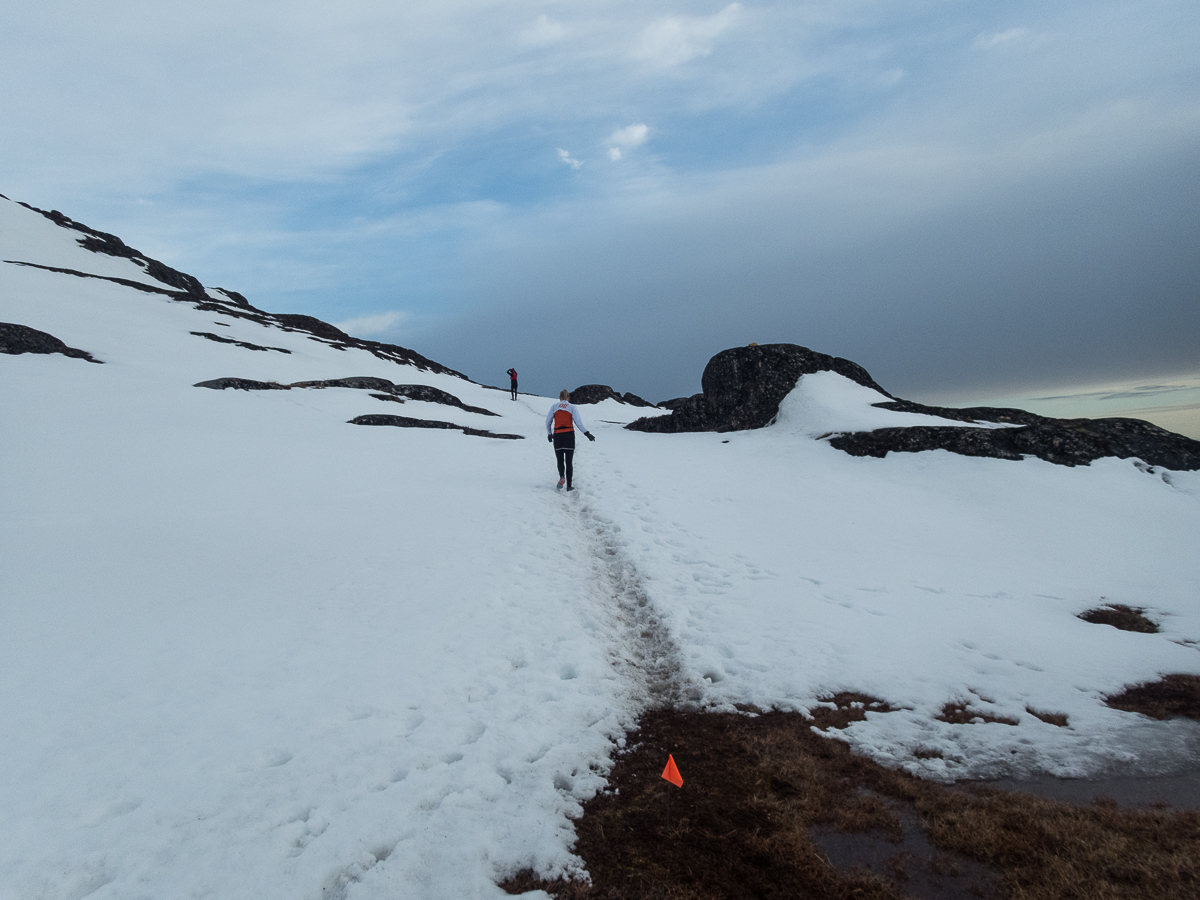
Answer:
(255, 650)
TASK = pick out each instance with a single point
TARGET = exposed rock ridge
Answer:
(111, 245)
(1000, 414)
(743, 386)
(405, 422)
(124, 282)
(594, 393)
(394, 392)
(208, 335)
(1067, 442)
(183, 287)
(16, 339)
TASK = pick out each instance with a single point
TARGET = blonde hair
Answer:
(564, 394)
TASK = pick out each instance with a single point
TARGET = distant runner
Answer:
(561, 422)
(512, 373)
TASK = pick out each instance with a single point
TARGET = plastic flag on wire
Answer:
(671, 773)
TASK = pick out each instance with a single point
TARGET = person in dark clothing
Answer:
(512, 373)
(561, 422)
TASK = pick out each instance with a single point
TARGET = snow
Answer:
(827, 403)
(252, 651)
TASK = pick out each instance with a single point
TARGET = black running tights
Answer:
(564, 456)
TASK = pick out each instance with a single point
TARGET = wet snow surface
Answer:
(252, 651)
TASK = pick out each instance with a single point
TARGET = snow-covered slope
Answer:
(250, 650)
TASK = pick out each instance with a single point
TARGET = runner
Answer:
(512, 373)
(561, 422)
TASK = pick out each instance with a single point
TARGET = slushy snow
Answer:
(252, 651)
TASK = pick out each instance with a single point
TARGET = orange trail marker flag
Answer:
(671, 773)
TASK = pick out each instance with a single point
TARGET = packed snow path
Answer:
(643, 650)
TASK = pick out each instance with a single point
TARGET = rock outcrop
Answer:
(1067, 442)
(16, 339)
(388, 391)
(744, 386)
(186, 288)
(594, 393)
(245, 345)
(405, 422)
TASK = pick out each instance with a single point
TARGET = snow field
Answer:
(254, 651)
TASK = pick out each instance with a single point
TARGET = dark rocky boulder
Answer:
(742, 388)
(677, 402)
(1067, 442)
(16, 339)
(594, 393)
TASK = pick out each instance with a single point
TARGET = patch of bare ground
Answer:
(964, 714)
(1126, 618)
(1170, 697)
(1050, 718)
(760, 791)
(848, 706)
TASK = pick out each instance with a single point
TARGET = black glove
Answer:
(550, 438)
(589, 435)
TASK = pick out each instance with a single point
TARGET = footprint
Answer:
(99, 814)
(275, 759)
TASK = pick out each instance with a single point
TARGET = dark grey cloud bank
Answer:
(1066, 277)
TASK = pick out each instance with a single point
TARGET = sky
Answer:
(975, 201)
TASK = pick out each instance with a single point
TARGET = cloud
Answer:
(673, 40)
(542, 32)
(626, 138)
(629, 136)
(997, 38)
(374, 324)
(566, 157)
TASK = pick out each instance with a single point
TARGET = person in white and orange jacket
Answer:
(561, 422)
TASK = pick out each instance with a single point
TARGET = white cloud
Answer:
(995, 39)
(625, 138)
(379, 323)
(542, 32)
(629, 136)
(673, 40)
(566, 157)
